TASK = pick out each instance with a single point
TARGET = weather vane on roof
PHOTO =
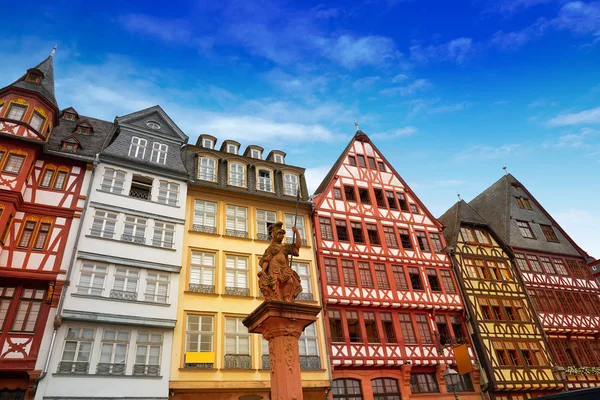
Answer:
(458, 194)
(505, 171)
(53, 51)
(356, 125)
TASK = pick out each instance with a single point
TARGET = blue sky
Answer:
(450, 91)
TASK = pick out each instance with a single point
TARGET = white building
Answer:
(119, 310)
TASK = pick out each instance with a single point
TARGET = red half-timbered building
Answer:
(39, 198)
(391, 300)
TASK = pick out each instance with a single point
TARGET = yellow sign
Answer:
(463, 361)
(199, 357)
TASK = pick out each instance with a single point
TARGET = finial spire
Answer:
(505, 171)
(458, 194)
(356, 125)
(53, 51)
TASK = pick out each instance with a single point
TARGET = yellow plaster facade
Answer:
(220, 382)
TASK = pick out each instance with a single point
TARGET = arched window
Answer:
(53, 178)
(37, 121)
(290, 184)
(265, 180)
(47, 176)
(27, 231)
(208, 169)
(61, 178)
(14, 161)
(385, 389)
(237, 175)
(42, 234)
(346, 389)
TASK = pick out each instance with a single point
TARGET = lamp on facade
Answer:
(560, 374)
(452, 379)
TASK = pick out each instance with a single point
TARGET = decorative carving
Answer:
(41, 111)
(22, 102)
(277, 280)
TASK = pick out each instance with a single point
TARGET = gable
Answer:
(147, 120)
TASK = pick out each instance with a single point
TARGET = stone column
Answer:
(281, 324)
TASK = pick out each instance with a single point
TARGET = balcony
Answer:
(200, 288)
(199, 365)
(110, 369)
(305, 297)
(139, 194)
(145, 369)
(263, 236)
(236, 233)
(122, 295)
(235, 291)
(133, 238)
(307, 363)
(238, 361)
(204, 228)
(73, 367)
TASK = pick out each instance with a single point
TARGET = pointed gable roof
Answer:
(497, 205)
(459, 213)
(46, 85)
(139, 119)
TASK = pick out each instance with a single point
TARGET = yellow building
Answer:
(231, 201)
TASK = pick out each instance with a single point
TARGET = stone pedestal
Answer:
(281, 324)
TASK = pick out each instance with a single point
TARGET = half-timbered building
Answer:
(554, 269)
(506, 333)
(391, 300)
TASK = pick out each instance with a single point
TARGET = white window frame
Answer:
(111, 347)
(203, 268)
(202, 214)
(162, 231)
(154, 282)
(202, 336)
(208, 143)
(234, 218)
(289, 223)
(14, 114)
(207, 172)
(236, 271)
(168, 193)
(37, 121)
(255, 153)
(263, 183)
(278, 158)
(97, 274)
(290, 186)
(137, 146)
(147, 346)
(104, 221)
(232, 148)
(309, 335)
(159, 153)
(239, 332)
(263, 219)
(136, 227)
(237, 174)
(79, 339)
(113, 180)
(305, 278)
(124, 277)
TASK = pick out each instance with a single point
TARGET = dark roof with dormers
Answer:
(229, 141)
(253, 146)
(459, 213)
(90, 144)
(497, 205)
(46, 86)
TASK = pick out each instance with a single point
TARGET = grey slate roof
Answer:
(459, 213)
(497, 205)
(46, 86)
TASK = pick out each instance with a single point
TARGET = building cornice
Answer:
(114, 208)
(84, 255)
(117, 319)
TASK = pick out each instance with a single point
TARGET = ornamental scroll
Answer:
(277, 280)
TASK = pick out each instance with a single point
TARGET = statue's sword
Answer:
(295, 222)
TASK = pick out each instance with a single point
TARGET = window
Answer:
(379, 198)
(525, 229)
(521, 262)
(399, 277)
(415, 278)
(467, 235)
(504, 272)
(346, 389)
(137, 148)
(560, 266)
(208, 169)
(42, 235)
(236, 221)
(16, 112)
(113, 180)
(402, 201)
(264, 219)
(290, 184)
(364, 196)
(326, 229)
(232, 148)
(104, 224)
(448, 282)
(422, 241)
(405, 239)
(442, 328)
(205, 216)
(482, 237)
(157, 287)
(349, 273)
(134, 229)
(408, 330)
(372, 164)
(414, 209)
(547, 264)
(13, 163)
(371, 327)
(381, 166)
(27, 233)
(361, 161)
(147, 354)
(349, 192)
(86, 129)
(163, 235)
(91, 279)
(519, 202)
(202, 272)
(72, 147)
(335, 326)
(457, 326)
(436, 242)
(549, 233)
(486, 312)
(341, 230)
(207, 143)
(264, 180)
(353, 324)
(527, 204)
(391, 199)
(33, 77)
(303, 271)
(389, 333)
(159, 153)
(534, 263)
(497, 312)
(76, 353)
(331, 271)
(153, 125)
(237, 344)
(47, 177)
(373, 234)
(236, 276)
(424, 330)
(337, 193)
(434, 282)
(37, 121)
(141, 187)
(6, 298)
(113, 352)
(254, 153)
(168, 193)
(290, 221)
(390, 237)
(61, 179)
(366, 279)
(352, 160)
(237, 175)
(357, 232)
(69, 116)
(308, 344)
(125, 284)
(523, 203)
(28, 310)
(381, 276)
(466, 385)
(423, 383)
(199, 336)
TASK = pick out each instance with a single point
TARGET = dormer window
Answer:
(33, 77)
(69, 116)
(37, 121)
(159, 152)
(83, 130)
(254, 153)
(66, 146)
(290, 182)
(264, 180)
(208, 169)
(278, 158)
(137, 148)
(153, 125)
(16, 112)
(207, 143)
(232, 149)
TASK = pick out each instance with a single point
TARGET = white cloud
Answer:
(581, 225)
(486, 152)
(542, 102)
(591, 116)
(449, 108)
(456, 50)
(314, 176)
(353, 51)
(168, 30)
(512, 6)
(573, 140)
(399, 78)
(433, 106)
(408, 90)
(405, 131)
(365, 82)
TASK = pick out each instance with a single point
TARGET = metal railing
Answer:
(305, 296)
(238, 361)
(133, 238)
(73, 367)
(123, 295)
(310, 362)
(235, 291)
(236, 233)
(110, 369)
(264, 236)
(146, 369)
(139, 194)
(200, 288)
(204, 228)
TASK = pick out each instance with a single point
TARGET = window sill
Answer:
(249, 239)
(238, 297)
(91, 296)
(204, 233)
(72, 375)
(132, 243)
(202, 294)
(135, 198)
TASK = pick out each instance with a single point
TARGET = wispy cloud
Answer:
(543, 102)
(571, 140)
(511, 41)
(399, 78)
(353, 51)
(168, 30)
(366, 82)
(512, 6)
(416, 86)
(405, 131)
(456, 50)
(487, 152)
(591, 116)
(434, 106)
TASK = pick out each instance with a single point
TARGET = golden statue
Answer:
(277, 280)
